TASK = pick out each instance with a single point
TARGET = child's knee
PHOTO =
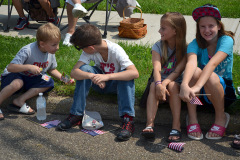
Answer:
(173, 87)
(86, 68)
(16, 84)
(197, 74)
(213, 80)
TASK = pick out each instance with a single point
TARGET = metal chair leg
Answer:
(6, 28)
(107, 17)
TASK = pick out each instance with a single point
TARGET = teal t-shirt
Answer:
(224, 44)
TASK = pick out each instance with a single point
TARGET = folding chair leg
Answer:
(107, 17)
(61, 18)
(1, 3)
(6, 28)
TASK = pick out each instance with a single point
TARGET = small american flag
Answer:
(93, 132)
(176, 146)
(196, 100)
(50, 124)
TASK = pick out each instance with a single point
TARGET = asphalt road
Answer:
(22, 138)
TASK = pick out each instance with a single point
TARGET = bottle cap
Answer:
(40, 94)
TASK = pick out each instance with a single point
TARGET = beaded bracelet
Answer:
(158, 82)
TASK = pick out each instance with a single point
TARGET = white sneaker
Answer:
(79, 11)
(67, 39)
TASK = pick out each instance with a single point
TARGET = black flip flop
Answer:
(16, 109)
(174, 132)
(234, 145)
(148, 135)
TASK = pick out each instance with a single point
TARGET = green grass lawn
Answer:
(68, 56)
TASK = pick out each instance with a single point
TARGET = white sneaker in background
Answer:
(66, 40)
(79, 11)
(137, 4)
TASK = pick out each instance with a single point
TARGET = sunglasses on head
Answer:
(79, 48)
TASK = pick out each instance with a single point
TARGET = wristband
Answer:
(157, 83)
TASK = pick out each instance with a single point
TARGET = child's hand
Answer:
(71, 81)
(102, 85)
(186, 93)
(66, 79)
(35, 69)
(98, 78)
(161, 92)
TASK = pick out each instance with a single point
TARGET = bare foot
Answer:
(194, 134)
(148, 129)
(220, 122)
(177, 135)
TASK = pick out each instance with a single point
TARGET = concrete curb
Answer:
(109, 110)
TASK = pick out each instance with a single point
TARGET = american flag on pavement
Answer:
(50, 124)
(176, 146)
(93, 132)
(196, 100)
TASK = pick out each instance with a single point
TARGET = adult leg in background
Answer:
(22, 20)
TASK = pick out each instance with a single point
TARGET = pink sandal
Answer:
(192, 128)
(219, 130)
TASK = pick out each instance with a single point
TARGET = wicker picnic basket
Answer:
(132, 23)
(132, 33)
(132, 27)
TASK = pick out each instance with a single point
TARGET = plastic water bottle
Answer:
(41, 107)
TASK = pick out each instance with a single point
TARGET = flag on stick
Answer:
(196, 100)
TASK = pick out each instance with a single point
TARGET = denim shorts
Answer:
(28, 82)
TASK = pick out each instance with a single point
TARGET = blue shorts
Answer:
(28, 82)
(222, 83)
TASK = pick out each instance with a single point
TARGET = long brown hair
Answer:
(178, 22)
(202, 43)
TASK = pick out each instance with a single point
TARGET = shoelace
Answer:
(127, 126)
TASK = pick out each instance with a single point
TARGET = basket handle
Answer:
(133, 7)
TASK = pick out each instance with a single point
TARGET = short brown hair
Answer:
(48, 32)
(86, 35)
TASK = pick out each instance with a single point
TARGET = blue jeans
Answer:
(125, 91)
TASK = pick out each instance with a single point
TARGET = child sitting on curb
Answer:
(168, 59)
(113, 73)
(208, 71)
(29, 67)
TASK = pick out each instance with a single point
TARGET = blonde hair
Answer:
(48, 32)
(177, 21)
